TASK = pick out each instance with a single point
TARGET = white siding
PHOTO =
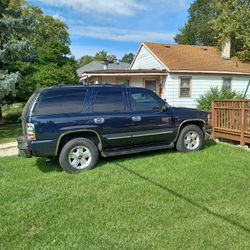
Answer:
(240, 84)
(145, 60)
(136, 81)
(199, 85)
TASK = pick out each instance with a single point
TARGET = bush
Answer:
(205, 101)
(12, 112)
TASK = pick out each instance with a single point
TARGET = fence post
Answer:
(213, 120)
(242, 123)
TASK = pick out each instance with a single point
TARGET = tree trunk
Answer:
(1, 115)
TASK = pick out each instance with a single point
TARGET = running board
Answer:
(134, 150)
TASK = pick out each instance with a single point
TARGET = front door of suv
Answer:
(152, 123)
(111, 117)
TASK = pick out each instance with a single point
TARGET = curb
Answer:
(8, 149)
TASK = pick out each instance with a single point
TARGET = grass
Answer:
(9, 132)
(12, 124)
(159, 200)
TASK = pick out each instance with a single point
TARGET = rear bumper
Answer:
(23, 148)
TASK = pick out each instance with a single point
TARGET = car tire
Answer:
(191, 138)
(78, 155)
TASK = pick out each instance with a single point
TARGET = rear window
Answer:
(61, 101)
(29, 104)
(109, 101)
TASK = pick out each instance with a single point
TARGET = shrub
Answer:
(205, 101)
(12, 112)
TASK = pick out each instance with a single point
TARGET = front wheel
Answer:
(191, 138)
(79, 154)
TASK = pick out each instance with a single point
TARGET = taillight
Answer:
(30, 132)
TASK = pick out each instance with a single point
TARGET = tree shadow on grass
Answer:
(186, 199)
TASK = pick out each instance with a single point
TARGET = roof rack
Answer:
(108, 85)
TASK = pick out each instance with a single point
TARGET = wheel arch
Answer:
(85, 133)
(198, 122)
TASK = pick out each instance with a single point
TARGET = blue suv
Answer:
(80, 123)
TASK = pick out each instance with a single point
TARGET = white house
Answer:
(180, 73)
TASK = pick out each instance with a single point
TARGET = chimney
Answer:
(105, 65)
(226, 48)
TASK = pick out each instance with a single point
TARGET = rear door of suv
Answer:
(111, 116)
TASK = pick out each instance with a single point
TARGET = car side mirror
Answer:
(165, 107)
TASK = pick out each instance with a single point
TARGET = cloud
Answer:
(58, 16)
(80, 50)
(170, 5)
(115, 34)
(110, 7)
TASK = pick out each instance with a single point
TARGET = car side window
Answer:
(109, 101)
(143, 100)
(59, 101)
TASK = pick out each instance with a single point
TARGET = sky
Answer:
(117, 26)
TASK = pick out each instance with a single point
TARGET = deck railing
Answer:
(231, 120)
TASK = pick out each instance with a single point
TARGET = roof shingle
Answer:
(195, 58)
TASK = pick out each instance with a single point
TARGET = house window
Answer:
(227, 82)
(150, 84)
(185, 87)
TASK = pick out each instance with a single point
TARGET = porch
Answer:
(151, 79)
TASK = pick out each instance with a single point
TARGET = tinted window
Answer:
(109, 101)
(61, 101)
(29, 103)
(142, 100)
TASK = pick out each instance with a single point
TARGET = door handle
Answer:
(136, 118)
(99, 120)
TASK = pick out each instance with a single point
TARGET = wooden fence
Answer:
(230, 119)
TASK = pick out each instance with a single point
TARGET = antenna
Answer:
(245, 94)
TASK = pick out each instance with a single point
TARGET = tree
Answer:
(210, 21)
(52, 64)
(198, 29)
(84, 60)
(233, 20)
(99, 56)
(13, 46)
(127, 58)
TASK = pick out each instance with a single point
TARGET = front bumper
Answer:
(23, 148)
(208, 128)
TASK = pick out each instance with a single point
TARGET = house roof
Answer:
(98, 65)
(136, 72)
(191, 58)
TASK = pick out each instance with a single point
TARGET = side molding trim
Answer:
(139, 135)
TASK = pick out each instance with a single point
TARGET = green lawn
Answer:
(9, 132)
(160, 200)
(12, 124)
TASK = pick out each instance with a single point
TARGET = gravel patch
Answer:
(8, 149)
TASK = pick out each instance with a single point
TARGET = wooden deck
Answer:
(230, 119)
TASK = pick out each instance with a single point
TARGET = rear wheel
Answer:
(191, 138)
(78, 155)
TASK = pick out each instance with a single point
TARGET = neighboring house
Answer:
(179, 73)
(98, 66)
